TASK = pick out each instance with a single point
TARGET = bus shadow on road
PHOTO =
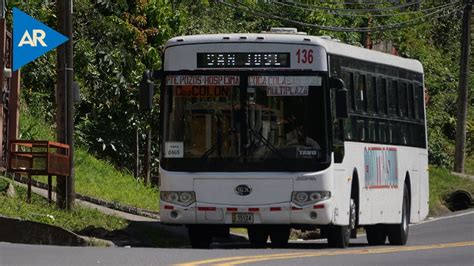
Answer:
(302, 245)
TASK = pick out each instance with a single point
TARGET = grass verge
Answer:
(39, 210)
(87, 222)
(469, 165)
(442, 184)
(95, 178)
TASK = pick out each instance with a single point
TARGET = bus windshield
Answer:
(253, 122)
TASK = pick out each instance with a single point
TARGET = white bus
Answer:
(276, 131)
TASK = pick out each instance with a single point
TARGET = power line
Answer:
(358, 10)
(411, 22)
(352, 3)
(369, 14)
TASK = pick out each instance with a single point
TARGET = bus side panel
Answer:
(343, 177)
(424, 185)
(341, 195)
(415, 192)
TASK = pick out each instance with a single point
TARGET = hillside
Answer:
(115, 41)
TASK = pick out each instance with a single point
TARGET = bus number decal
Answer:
(304, 56)
(174, 149)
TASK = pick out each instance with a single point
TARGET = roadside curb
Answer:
(28, 232)
(104, 203)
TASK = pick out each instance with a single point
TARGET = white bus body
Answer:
(379, 171)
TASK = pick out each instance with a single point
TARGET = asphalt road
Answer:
(444, 241)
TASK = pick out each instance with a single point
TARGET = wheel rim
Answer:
(405, 218)
(352, 220)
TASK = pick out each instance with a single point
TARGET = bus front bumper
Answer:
(320, 213)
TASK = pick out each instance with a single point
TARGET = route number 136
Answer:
(304, 56)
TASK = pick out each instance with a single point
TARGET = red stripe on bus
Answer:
(232, 209)
(168, 207)
(275, 209)
(385, 186)
(319, 206)
(392, 149)
(254, 209)
(375, 149)
(206, 208)
(296, 209)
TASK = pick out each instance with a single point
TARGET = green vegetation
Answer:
(39, 210)
(442, 184)
(469, 166)
(116, 40)
(96, 178)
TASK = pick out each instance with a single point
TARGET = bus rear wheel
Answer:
(398, 233)
(376, 234)
(257, 236)
(279, 236)
(199, 236)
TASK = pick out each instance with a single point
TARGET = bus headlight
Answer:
(302, 198)
(182, 198)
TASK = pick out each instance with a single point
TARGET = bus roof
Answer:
(332, 47)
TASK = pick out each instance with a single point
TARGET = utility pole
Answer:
(66, 193)
(459, 155)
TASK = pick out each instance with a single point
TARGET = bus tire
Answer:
(279, 236)
(338, 236)
(199, 236)
(257, 236)
(376, 234)
(398, 233)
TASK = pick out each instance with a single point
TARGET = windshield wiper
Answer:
(214, 146)
(267, 143)
(209, 151)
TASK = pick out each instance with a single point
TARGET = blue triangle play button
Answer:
(32, 39)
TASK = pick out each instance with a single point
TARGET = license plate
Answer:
(242, 218)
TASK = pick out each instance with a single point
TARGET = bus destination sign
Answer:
(242, 60)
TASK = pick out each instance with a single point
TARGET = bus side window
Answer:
(393, 98)
(394, 136)
(419, 107)
(350, 88)
(403, 99)
(383, 133)
(361, 130)
(372, 131)
(382, 95)
(360, 94)
(404, 134)
(372, 96)
(411, 102)
(350, 128)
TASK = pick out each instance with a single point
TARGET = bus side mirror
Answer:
(147, 89)
(342, 110)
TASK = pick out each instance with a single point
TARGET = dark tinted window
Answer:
(383, 132)
(393, 98)
(419, 103)
(382, 95)
(349, 81)
(403, 99)
(372, 96)
(361, 130)
(360, 94)
(411, 101)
